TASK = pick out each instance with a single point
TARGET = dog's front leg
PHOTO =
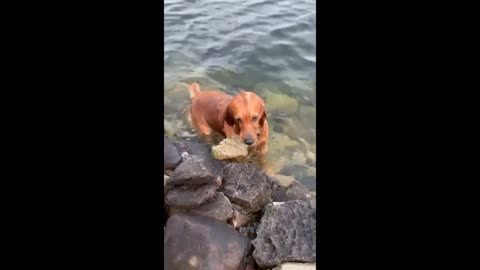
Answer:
(228, 130)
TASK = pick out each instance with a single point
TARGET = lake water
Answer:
(267, 47)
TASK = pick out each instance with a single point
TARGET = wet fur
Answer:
(214, 111)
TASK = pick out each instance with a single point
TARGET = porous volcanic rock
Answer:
(246, 185)
(286, 234)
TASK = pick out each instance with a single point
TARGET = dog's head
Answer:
(246, 113)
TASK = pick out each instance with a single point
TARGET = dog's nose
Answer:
(249, 140)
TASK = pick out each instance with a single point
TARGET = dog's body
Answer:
(243, 115)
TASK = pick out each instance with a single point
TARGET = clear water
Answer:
(263, 46)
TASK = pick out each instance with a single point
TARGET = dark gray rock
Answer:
(279, 193)
(171, 157)
(286, 234)
(246, 185)
(297, 191)
(193, 147)
(250, 263)
(219, 208)
(249, 231)
(194, 242)
(313, 201)
(190, 196)
(196, 170)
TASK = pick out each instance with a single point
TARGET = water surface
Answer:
(263, 46)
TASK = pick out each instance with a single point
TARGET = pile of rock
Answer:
(230, 215)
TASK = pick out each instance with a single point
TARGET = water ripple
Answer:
(250, 44)
(278, 35)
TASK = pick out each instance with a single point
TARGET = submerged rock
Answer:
(307, 114)
(171, 157)
(281, 151)
(218, 208)
(277, 86)
(168, 129)
(231, 79)
(295, 128)
(309, 181)
(176, 128)
(296, 171)
(179, 92)
(311, 159)
(196, 170)
(246, 185)
(298, 158)
(230, 148)
(300, 172)
(280, 104)
(286, 234)
(194, 242)
(279, 142)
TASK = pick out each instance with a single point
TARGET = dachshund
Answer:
(243, 114)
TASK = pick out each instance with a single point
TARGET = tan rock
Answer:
(284, 180)
(165, 179)
(230, 148)
(296, 266)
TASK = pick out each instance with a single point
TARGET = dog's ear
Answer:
(263, 118)
(229, 118)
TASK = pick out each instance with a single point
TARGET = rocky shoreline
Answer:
(229, 215)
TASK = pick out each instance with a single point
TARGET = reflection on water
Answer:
(263, 46)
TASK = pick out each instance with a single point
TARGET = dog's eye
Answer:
(254, 118)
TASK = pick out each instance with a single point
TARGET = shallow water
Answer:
(263, 46)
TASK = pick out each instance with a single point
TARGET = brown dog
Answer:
(243, 115)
